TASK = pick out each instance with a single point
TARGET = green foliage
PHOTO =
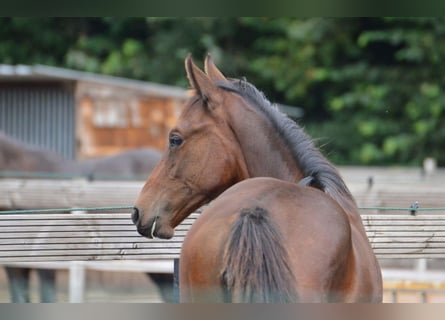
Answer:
(372, 88)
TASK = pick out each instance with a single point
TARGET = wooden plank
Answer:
(78, 234)
(391, 228)
(419, 222)
(170, 256)
(408, 251)
(170, 244)
(136, 240)
(72, 229)
(53, 237)
(407, 240)
(411, 246)
(50, 193)
(151, 265)
(83, 216)
(72, 219)
(132, 234)
(19, 248)
(405, 217)
(94, 257)
(376, 234)
(75, 251)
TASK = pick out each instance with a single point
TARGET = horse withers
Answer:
(265, 237)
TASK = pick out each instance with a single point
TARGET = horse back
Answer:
(310, 233)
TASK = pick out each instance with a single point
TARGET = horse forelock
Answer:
(308, 157)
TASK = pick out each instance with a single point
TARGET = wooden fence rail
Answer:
(104, 241)
(112, 236)
(109, 241)
(48, 193)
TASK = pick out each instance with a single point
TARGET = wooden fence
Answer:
(80, 241)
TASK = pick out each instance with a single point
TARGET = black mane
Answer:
(308, 157)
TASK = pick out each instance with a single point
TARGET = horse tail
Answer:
(256, 265)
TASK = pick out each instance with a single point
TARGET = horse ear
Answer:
(199, 80)
(212, 71)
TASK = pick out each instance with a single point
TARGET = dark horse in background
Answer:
(281, 226)
(16, 156)
(20, 157)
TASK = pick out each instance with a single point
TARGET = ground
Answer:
(100, 287)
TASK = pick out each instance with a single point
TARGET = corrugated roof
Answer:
(45, 73)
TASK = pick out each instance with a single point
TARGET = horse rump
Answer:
(255, 263)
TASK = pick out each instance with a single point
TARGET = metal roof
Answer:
(44, 73)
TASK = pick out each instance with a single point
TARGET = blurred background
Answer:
(371, 91)
(383, 77)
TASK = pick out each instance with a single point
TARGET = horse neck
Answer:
(265, 153)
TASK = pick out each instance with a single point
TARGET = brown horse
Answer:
(20, 157)
(265, 237)
(17, 156)
(129, 164)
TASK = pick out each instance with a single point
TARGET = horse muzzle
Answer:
(155, 227)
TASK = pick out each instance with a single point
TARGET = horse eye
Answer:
(175, 141)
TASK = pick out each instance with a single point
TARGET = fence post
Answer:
(176, 280)
(77, 281)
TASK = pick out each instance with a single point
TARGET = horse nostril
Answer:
(135, 215)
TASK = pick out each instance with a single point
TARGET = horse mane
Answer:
(309, 158)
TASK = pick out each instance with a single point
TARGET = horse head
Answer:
(203, 157)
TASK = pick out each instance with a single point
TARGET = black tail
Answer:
(256, 264)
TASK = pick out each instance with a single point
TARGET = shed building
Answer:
(80, 115)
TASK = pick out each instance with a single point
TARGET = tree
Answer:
(372, 88)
